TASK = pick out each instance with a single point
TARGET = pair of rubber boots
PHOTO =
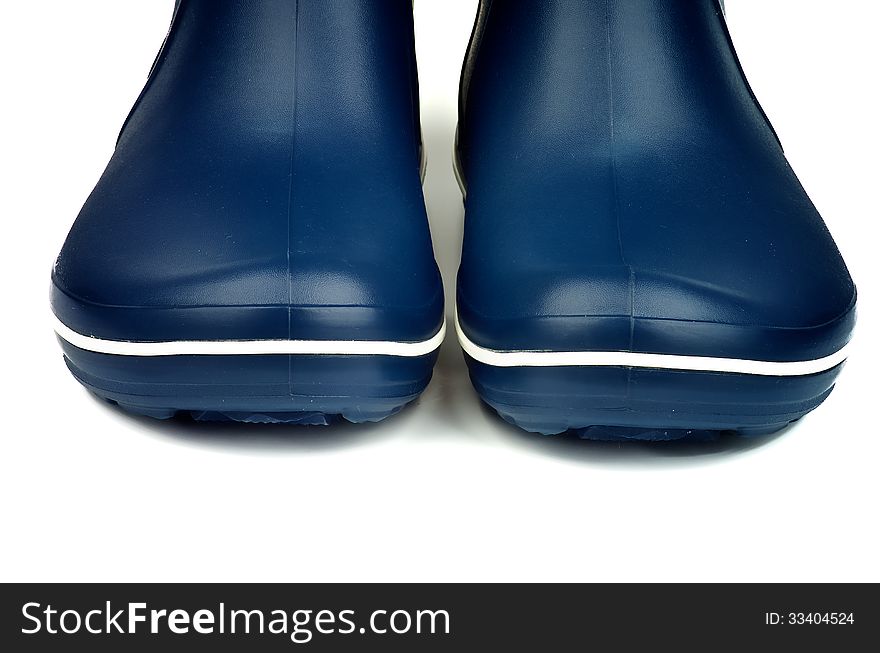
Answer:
(639, 259)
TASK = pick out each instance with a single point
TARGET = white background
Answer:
(445, 491)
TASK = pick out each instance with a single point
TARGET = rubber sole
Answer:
(629, 403)
(273, 388)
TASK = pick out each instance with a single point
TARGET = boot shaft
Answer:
(266, 68)
(643, 73)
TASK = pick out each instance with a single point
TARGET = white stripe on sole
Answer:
(251, 347)
(498, 358)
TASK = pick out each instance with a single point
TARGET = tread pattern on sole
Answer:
(643, 404)
(312, 390)
(605, 433)
(355, 415)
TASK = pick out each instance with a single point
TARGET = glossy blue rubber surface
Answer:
(265, 186)
(626, 193)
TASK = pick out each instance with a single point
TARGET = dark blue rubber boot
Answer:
(639, 260)
(258, 248)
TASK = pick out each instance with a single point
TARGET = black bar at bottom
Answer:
(427, 617)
